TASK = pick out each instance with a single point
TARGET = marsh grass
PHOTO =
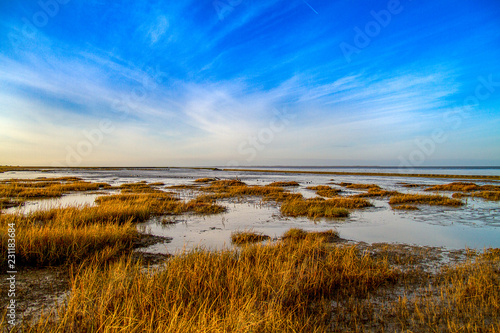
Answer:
(318, 207)
(46, 187)
(463, 187)
(283, 287)
(204, 180)
(405, 207)
(247, 236)
(297, 234)
(284, 184)
(376, 193)
(325, 191)
(361, 186)
(463, 298)
(424, 199)
(487, 195)
(42, 245)
(71, 234)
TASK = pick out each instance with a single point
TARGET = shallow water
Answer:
(476, 225)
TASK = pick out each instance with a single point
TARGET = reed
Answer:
(424, 199)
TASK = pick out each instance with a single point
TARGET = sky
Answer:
(250, 82)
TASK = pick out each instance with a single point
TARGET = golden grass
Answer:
(376, 192)
(300, 234)
(424, 199)
(284, 184)
(361, 186)
(325, 191)
(46, 187)
(487, 195)
(204, 180)
(405, 207)
(455, 186)
(247, 236)
(282, 287)
(41, 245)
(465, 298)
(318, 207)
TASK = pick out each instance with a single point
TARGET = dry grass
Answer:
(376, 192)
(282, 287)
(45, 187)
(247, 236)
(465, 298)
(325, 191)
(317, 207)
(283, 184)
(300, 234)
(204, 180)
(424, 199)
(41, 245)
(405, 207)
(487, 195)
(464, 187)
(455, 186)
(361, 186)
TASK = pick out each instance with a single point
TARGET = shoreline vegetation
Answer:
(339, 173)
(303, 281)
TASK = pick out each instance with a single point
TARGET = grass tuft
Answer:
(424, 199)
(247, 236)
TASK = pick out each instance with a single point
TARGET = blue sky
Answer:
(235, 82)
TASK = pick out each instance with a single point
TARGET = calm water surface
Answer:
(476, 225)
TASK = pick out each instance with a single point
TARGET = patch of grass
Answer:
(424, 199)
(284, 184)
(282, 287)
(45, 187)
(487, 195)
(376, 192)
(464, 298)
(325, 191)
(317, 207)
(183, 187)
(463, 187)
(297, 234)
(49, 244)
(362, 186)
(247, 236)
(204, 180)
(455, 186)
(405, 207)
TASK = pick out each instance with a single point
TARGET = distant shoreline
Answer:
(280, 169)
